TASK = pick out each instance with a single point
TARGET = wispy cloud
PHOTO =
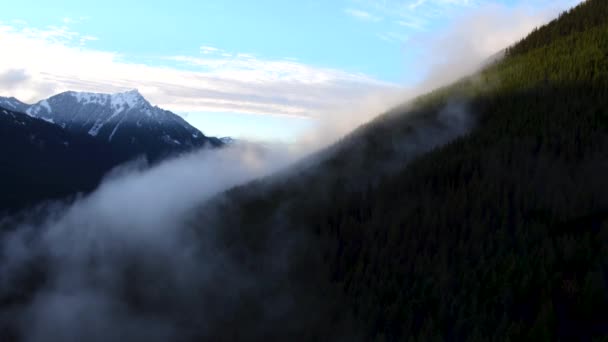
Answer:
(86, 38)
(57, 59)
(416, 4)
(402, 18)
(414, 23)
(362, 15)
(465, 43)
(408, 17)
(393, 37)
(209, 49)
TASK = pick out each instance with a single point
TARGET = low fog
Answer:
(134, 219)
(122, 264)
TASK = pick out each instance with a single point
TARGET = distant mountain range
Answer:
(66, 143)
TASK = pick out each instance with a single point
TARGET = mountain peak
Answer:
(130, 99)
(126, 117)
(12, 104)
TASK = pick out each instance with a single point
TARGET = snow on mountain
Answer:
(126, 119)
(12, 103)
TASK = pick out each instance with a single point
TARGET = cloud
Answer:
(414, 14)
(13, 78)
(19, 81)
(416, 4)
(84, 39)
(414, 23)
(362, 15)
(231, 81)
(393, 37)
(57, 58)
(145, 258)
(129, 243)
(209, 49)
(406, 18)
(473, 37)
(443, 56)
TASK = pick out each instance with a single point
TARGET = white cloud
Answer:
(414, 14)
(417, 3)
(393, 37)
(473, 37)
(443, 56)
(43, 62)
(362, 15)
(209, 50)
(414, 23)
(56, 59)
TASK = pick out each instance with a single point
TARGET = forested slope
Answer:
(501, 234)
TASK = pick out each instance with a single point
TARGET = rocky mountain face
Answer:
(66, 144)
(125, 120)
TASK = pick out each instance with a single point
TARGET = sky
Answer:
(265, 69)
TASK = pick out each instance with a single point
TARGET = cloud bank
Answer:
(121, 265)
(143, 259)
(220, 81)
(53, 60)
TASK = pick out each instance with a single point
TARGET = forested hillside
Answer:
(41, 161)
(502, 234)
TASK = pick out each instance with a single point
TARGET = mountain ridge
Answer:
(64, 145)
(125, 120)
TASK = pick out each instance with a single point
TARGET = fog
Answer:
(128, 234)
(123, 263)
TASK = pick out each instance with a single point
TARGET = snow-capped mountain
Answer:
(126, 120)
(12, 103)
(65, 144)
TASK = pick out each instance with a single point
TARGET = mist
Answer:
(128, 234)
(463, 46)
(123, 263)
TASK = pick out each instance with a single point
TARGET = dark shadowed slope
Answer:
(41, 161)
(13, 104)
(501, 234)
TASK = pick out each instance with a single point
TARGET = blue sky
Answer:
(258, 69)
